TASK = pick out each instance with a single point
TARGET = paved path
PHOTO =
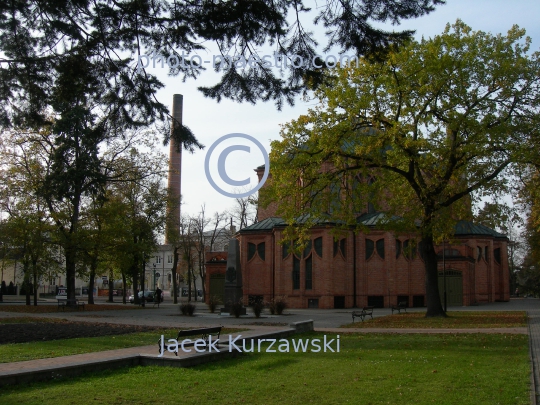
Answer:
(519, 331)
(534, 343)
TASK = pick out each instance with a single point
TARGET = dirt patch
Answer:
(40, 331)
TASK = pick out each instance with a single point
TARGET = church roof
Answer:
(265, 225)
(462, 227)
(469, 228)
(375, 218)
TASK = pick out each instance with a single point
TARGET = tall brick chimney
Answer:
(175, 160)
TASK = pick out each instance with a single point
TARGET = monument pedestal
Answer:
(227, 311)
(233, 278)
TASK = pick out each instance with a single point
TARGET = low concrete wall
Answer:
(302, 326)
(75, 369)
(72, 370)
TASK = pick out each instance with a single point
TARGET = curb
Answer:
(533, 368)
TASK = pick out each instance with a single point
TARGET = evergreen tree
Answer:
(54, 49)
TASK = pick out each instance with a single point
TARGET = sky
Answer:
(210, 120)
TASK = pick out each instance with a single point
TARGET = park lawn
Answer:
(370, 369)
(30, 319)
(46, 308)
(12, 352)
(455, 320)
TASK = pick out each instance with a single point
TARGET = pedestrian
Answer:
(158, 296)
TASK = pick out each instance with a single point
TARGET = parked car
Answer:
(62, 293)
(148, 296)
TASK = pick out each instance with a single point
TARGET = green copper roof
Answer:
(470, 228)
(373, 219)
(265, 225)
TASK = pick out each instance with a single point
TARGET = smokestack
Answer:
(175, 162)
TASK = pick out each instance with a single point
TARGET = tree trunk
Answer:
(111, 286)
(433, 298)
(143, 299)
(27, 292)
(189, 283)
(123, 288)
(35, 284)
(202, 275)
(93, 268)
(174, 273)
(26, 283)
(70, 272)
(135, 279)
(193, 278)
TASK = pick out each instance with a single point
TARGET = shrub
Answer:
(237, 308)
(213, 302)
(277, 305)
(271, 307)
(187, 308)
(257, 307)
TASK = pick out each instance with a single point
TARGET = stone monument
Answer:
(233, 277)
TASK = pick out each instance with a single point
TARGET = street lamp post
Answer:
(444, 274)
(142, 280)
(154, 277)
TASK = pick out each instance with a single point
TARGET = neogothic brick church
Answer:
(375, 269)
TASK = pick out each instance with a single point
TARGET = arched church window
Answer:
(261, 250)
(251, 250)
(317, 243)
(380, 247)
(296, 273)
(370, 246)
(309, 273)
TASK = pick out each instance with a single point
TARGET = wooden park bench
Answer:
(402, 305)
(71, 303)
(366, 311)
(203, 333)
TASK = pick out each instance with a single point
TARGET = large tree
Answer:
(44, 41)
(140, 199)
(414, 135)
(28, 229)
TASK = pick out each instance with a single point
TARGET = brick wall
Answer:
(334, 274)
(216, 263)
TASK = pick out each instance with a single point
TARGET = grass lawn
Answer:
(456, 319)
(56, 348)
(370, 369)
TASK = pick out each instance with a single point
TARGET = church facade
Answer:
(376, 268)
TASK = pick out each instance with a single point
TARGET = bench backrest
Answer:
(201, 331)
(402, 304)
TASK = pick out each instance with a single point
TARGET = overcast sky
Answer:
(210, 120)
